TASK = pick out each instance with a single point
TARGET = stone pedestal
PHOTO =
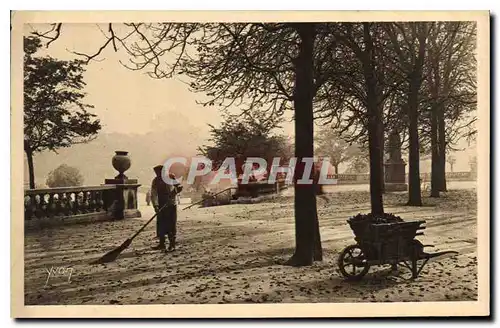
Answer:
(124, 197)
(394, 167)
(395, 176)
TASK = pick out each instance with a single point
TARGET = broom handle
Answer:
(156, 214)
(201, 201)
(149, 221)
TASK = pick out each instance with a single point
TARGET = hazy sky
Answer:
(130, 101)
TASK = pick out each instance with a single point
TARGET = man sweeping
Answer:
(163, 196)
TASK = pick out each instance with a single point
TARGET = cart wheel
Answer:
(352, 263)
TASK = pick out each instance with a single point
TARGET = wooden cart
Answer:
(385, 243)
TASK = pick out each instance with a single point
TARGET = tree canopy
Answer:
(243, 137)
(64, 176)
(55, 115)
(332, 145)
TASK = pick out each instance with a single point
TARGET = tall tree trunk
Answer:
(435, 92)
(31, 168)
(442, 149)
(318, 187)
(336, 167)
(415, 79)
(414, 196)
(435, 170)
(307, 237)
(374, 126)
(317, 250)
(376, 178)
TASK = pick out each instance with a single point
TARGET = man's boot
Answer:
(161, 245)
(171, 243)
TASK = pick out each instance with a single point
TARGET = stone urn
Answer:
(121, 163)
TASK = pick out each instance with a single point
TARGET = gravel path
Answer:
(233, 254)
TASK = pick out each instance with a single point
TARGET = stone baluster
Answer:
(28, 207)
(66, 204)
(81, 203)
(102, 200)
(76, 201)
(95, 200)
(47, 205)
(39, 206)
(51, 206)
(98, 201)
(90, 201)
(33, 205)
(59, 204)
(92, 204)
(85, 201)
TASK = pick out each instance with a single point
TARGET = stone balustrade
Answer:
(54, 206)
(114, 200)
(365, 178)
(450, 176)
(68, 201)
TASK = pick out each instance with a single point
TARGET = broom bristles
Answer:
(112, 255)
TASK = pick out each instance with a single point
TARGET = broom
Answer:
(112, 255)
